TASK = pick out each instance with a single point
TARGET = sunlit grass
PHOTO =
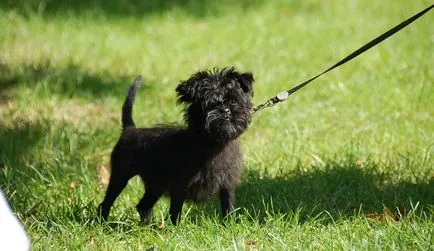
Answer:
(358, 141)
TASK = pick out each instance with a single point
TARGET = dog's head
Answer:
(218, 102)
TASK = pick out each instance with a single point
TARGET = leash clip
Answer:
(282, 96)
(268, 103)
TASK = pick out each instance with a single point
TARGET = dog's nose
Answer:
(227, 111)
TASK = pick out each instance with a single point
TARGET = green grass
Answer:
(357, 142)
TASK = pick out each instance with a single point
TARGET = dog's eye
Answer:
(232, 101)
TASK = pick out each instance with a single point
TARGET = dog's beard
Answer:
(224, 127)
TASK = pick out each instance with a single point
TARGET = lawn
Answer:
(346, 163)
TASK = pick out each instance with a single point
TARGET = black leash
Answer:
(282, 96)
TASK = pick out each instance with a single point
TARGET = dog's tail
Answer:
(127, 108)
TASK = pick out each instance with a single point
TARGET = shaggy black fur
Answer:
(187, 163)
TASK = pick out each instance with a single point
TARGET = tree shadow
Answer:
(18, 139)
(16, 143)
(196, 8)
(28, 172)
(70, 81)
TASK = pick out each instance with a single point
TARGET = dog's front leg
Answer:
(227, 199)
(177, 199)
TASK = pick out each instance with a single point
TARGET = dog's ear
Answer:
(185, 92)
(246, 81)
(188, 90)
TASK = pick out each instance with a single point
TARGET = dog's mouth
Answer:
(223, 131)
(224, 126)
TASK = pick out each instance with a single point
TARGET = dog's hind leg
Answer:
(118, 182)
(227, 199)
(177, 199)
(151, 196)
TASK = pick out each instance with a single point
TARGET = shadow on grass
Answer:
(67, 82)
(341, 189)
(40, 167)
(197, 8)
(16, 143)
(18, 139)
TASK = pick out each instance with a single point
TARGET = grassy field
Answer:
(346, 163)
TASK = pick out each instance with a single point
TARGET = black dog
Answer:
(189, 163)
